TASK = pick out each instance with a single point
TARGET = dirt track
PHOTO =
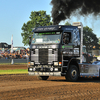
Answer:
(24, 87)
(7, 67)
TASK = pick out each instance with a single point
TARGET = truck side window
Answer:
(67, 37)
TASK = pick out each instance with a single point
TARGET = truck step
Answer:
(64, 66)
(65, 60)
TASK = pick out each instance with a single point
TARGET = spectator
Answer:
(23, 54)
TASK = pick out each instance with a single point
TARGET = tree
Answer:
(89, 38)
(67, 23)
(99, 40)
(37, 18)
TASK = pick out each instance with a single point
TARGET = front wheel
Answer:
(43, 77)
(72, 74)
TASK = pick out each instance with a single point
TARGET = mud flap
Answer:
(99, 72)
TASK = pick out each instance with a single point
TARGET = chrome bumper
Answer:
(45, 73)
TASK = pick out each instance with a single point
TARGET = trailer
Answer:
(88, 57)
(57, 51)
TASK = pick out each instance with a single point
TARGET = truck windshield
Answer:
(46, 37)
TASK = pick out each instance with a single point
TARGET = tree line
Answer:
(40, 18)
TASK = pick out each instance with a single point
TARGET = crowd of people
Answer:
(20, 54)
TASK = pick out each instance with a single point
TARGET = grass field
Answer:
(14, 64)
(15, 71)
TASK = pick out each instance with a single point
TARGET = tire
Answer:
(96, 78)
(43, 77)
(72, 74)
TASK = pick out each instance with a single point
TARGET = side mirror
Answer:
(66, 38)
(30, 40)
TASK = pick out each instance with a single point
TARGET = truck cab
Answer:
(54, 51)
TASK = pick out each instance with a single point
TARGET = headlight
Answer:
(56, 69)
(28, 63)
(30, 69)
(55, 63)
(51, 69)
(33, 69)
(31, 63)
(60, 63)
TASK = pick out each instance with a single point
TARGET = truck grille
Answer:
(43, 56)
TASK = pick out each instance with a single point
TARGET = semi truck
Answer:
(56, 50)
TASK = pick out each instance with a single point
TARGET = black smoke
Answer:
(63, 9)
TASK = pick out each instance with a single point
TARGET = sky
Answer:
(14, 13)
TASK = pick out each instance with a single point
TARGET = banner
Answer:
(12, 44)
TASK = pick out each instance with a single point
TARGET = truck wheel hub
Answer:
(74, 73)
